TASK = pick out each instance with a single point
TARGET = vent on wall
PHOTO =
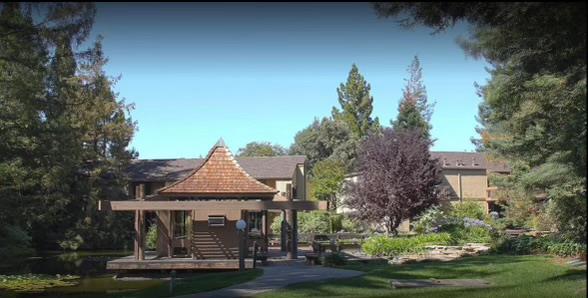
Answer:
(216, 220)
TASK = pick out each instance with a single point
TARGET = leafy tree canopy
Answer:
(262, 149)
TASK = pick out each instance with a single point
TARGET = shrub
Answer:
(14, 242)
(524, 245)
(151, 238)
(468, 209)
(333, 259)
(350, 225)
(386, 246)
(316, 222)
(566, 249)
(430, 221)
(72, 241)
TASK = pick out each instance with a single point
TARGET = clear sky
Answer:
(263, 71)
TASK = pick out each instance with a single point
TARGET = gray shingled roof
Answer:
(275, 167)
(469, 160)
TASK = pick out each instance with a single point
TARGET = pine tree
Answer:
(356, 104)
(414, 110)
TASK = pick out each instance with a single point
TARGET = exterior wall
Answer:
(301, 183)
(466, 183)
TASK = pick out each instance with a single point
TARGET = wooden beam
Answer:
(227, 205)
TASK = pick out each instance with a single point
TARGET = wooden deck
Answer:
(153, 263)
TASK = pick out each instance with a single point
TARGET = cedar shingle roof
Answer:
(219, 174)
(274, 167)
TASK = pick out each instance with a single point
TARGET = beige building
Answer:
(465, 177)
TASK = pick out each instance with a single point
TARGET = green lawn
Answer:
(511, 276)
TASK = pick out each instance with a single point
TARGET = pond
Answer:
(94, 280)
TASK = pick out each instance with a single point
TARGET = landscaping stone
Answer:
(442, 253)
(426, 283)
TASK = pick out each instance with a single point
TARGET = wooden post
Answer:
(139, 251)
(241, 250)
(283, 232)
(291, 218)
(170, 247)
(141, 235)
(192, 230)
(136, 239)
(265, 230)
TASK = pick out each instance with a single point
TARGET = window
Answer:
(181, 222)
(254, 222)
(216, 220)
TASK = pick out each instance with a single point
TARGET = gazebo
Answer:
(196, 217)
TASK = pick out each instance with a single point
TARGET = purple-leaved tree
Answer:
(397, 179)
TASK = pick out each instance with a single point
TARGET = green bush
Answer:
(14, 242)
(151, 239)
(567, 249)
(468, 209)
(333, 259)
(389, 247)
(460, 234)
(315, 222)
(524, 245)
(430, 220)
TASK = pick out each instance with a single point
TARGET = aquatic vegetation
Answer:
(33, 283)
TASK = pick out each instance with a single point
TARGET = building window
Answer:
(254, 222)
(216, 221)
(181, 222)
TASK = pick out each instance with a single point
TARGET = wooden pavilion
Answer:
(203, 209)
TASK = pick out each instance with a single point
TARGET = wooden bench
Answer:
(312, 258)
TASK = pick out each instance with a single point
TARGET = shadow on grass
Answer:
(570, 274)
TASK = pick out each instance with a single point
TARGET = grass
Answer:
(511, 276)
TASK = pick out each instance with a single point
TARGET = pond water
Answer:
(94, 280)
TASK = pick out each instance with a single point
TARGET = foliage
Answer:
(151, 237)
(14, 242)
(394, 246)
(398, 178)
(71, 242)
(523, 245)
(351, 225)
(262, 149)
(430, 221)
(325, 139)
(468, 209)
(333, 260)
(64, 132)
(35, 283)
(356, 104)
(414, 112)
(534, 106)
(326, 180)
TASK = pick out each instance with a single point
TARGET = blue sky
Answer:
(263, 71)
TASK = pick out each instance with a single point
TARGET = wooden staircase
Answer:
(208, 245)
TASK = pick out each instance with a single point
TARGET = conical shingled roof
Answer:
(219, 175)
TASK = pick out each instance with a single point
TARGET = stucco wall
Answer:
(473, 183)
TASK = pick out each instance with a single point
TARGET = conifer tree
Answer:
(414, 111)
(356, 104)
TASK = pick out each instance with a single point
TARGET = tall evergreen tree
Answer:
(414, 110)
(356, 104)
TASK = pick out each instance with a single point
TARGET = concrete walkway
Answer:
(278, 276)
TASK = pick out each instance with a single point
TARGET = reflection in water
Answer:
(90, 266)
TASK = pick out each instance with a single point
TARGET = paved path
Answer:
(278, 276)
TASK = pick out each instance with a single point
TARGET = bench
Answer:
(312, 258)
